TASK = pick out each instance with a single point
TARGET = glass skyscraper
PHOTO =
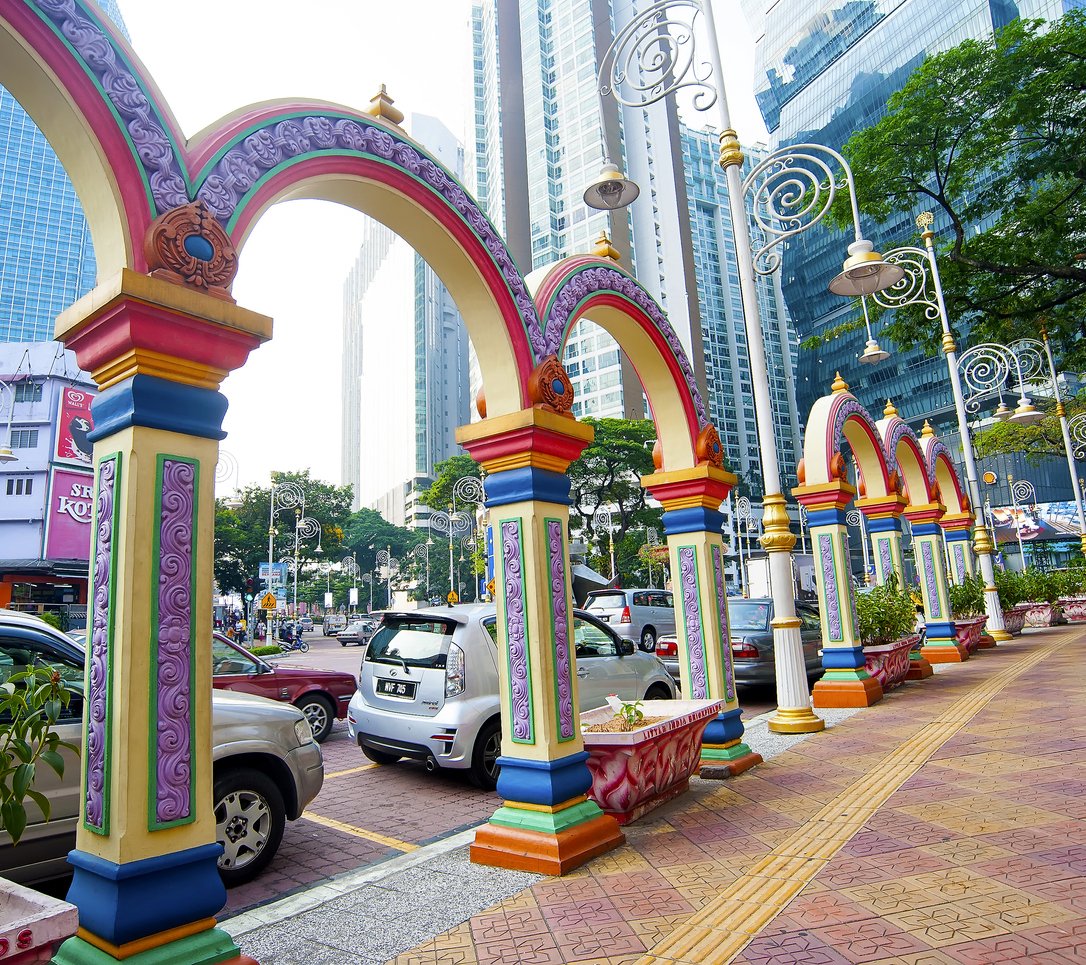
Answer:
(46, 255)
(825, 69)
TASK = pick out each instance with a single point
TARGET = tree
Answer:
(1037, 441)
(991, 135)
(448, 473)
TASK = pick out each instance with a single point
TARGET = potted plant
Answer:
(1041, 592)
(1072, 587)
(886, 621)
(642, 753)
(967, 605)
(1011, 590)
(31, 702)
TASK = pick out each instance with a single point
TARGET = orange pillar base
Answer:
(986, 642)
(846, 693)
(548, 854)
(919, 669)
(715, 770)
(955, 653)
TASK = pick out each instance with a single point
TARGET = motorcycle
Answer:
(297, 644)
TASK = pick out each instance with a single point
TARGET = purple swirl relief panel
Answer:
(563, 673)
(887, 558)
(829, 586)
(959, 563)
(96, 803)
(928, 563)
(520, 684)
(722, 616)
(177, 518)
(695, 643)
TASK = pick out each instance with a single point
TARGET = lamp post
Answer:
(792, 190)
(803, 526)
(225, 468)
(386, 559)
(423, 551)
(350, 565)
(305, 527)
(468, 489)
(368, 578)
(451, 524)
(855, 518)
(742, 517)
(652, 540)
(471, 544)
(1022, 491)
(604, 518)
(288, 495)
(6, 453)
(920, 285)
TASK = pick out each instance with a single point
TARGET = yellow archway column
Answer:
(546, 824)
(957, 529)
(693, 523)
(846, 682)
(941, 644)
(146, 880)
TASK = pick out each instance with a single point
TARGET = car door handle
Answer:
(582, 672)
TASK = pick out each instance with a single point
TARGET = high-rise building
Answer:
(405, 361)
(46, 255)
(824, 69)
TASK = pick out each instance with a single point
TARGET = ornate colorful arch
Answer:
(941, 469)
(903, 444)
(588, 286)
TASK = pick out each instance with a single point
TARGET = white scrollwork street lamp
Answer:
(368, 578)
(452, 525)
(652, 540)
(422, 551)
(287, 495)
(604, 519)
(387, 560)
(305, 527)
(855, 518)
(743, 516)
(225, 468)
(803, 526)
(350, 567)
(1022, 491)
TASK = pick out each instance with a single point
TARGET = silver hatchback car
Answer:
(642, 616)
(428, 686)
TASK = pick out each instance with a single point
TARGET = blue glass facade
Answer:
(46, 255)
(824, 69)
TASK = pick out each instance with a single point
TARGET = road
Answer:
(366, 814)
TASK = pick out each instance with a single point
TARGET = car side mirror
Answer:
(625, 648)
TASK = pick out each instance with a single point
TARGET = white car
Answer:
(428, 686)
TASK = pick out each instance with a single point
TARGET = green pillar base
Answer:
(209, 947)
(720, 763)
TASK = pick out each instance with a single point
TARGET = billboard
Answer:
(74, 422)
(1044, 521)
(68, 515)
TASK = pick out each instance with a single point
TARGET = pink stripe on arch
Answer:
(386, 176)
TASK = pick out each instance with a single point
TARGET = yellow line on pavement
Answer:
(350, 770)
(724, 927)
(360, 832)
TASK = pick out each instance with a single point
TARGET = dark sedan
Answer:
(322, 695)
(752, 641)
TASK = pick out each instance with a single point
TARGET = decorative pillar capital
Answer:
(925, 515)
(829, 495)
(777, 536)
(702, 486)
(882, 507)
(528, 439)
(956, 523)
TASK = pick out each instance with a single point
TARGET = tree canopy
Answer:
(991, 136)
(1037, 441)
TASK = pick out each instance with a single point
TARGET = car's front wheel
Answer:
(320, 713)
(249, 821)
(484, 759)
(658, 692)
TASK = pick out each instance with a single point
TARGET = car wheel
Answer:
(484, 759)
(379, 757)
(320, 713)
(648, 640)
(658, 692)
(249, 822)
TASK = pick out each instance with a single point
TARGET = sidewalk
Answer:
(942, 825)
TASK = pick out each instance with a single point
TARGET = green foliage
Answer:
(885, 613)
(967, 599)
(1071, 582)
(31, 702)
(448, 473)
(267, 651)
(991, 136)
(1037, 441)
(632, 713)
(1038, 586)
(52, 619)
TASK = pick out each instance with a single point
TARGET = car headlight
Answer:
(303, 731)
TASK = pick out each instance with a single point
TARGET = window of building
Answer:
(28, 391)
(24, 439)
(21, 487)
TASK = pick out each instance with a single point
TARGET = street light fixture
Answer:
(288, 495)
(452, 524)
(873, 353)
(387, 560)
(422, 551)
(305, 527)
(605, 520)
(743, 516)
(6, 453)
(226, 467)
(1022, 491)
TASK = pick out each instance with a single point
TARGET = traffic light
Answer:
(249, 585)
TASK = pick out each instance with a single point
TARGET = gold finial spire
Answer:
(381, 106)
(927, 431)
(602, 247)
(890, 411)
(839, 384)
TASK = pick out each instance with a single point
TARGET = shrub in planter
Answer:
(885, 613)
(967, 598)
(1011, 588)
(1039, 587)
(266, 651)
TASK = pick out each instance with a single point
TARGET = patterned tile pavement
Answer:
(943, 825)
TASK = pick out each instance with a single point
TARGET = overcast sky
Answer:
(218, 56)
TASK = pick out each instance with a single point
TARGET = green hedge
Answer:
(266, 651)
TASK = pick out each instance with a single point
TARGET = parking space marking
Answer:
(360, 832)
(350, 770)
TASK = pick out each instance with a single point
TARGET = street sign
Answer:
(452, 599)
(248, 597)
(268, 602)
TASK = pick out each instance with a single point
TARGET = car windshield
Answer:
(412, 643)
(606, 601)
(745, 615)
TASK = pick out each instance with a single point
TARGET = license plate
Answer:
(397, 688)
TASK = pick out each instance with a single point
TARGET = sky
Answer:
(224, 54)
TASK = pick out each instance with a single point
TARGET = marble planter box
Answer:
(1074, 608)
(32, 925)
(639, 770)
(1014, 618)
(1042, 614)
(969, 631)
(888, 663)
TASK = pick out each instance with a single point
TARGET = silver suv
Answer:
(267, 767)
(639, 615)
(428, 687)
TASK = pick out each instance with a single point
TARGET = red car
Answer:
(322, 695)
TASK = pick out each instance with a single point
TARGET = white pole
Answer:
(1068, 449)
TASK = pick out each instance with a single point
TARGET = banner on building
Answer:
(74, 423)
(1044, 521)
(68, 515)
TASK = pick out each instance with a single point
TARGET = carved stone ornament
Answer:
(480, 403)
(549, 386)
(658, 455)
(188, 246)
(801, 472)
(838, 466)
(708, 449)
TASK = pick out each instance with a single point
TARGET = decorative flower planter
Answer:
(1074, 608)
(969, 631)
(1042, 614)
(32, 925)
(639, 770)
(1014, 618)
(888, 663)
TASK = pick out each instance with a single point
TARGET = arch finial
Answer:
(381, 106)
(890, 411)
(602, 248)
(927, 431)
(839, 384)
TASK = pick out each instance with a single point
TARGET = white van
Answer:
(333, 623)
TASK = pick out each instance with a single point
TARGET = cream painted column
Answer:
(956, 532)
(883, 515)
(941, 644)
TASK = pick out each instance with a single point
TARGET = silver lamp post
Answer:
(742, 517)
(803, 526)
(386, 559)
(468, 489)
(792, 190)
(350, 566)
(605, 520)
(471, 544)
(452, 525)
(6, 452)
(652, 539)
(920, 285)
(287, 495)
(855, 518)
(1022, 491)
(368, 578)
(305, 527)
(422, 551)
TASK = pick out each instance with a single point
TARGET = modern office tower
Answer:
(824, 69)
(405, 360)
(540, 136)
(46, 255)
(723, 332)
